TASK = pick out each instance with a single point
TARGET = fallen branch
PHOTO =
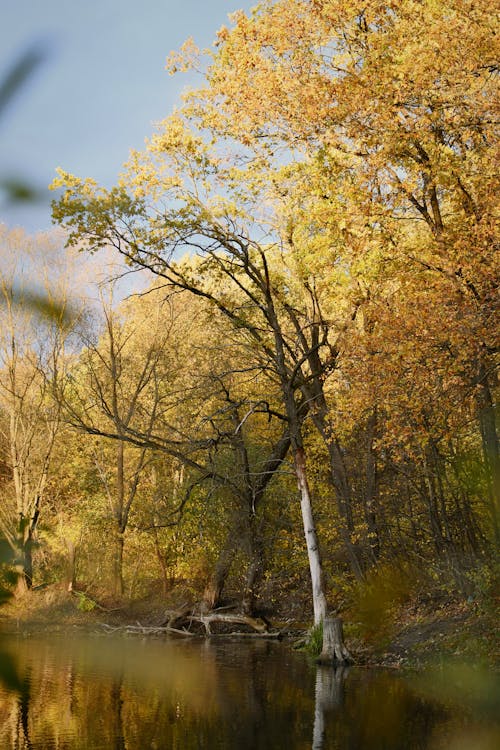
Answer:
(144, 629)
(231, 619)
(186, 622)
(275, 634)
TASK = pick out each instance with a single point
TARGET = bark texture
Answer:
(334, 650)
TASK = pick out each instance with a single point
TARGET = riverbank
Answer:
(430, 633)
(417, 634)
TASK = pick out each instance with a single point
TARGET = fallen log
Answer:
(190, 623)
(231, 619)
(276, 634)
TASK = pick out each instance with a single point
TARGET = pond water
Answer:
(124, 693)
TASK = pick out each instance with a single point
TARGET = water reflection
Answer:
(329, 696)
(126, 694)
(23, 708)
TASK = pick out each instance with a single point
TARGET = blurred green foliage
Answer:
(15, 188)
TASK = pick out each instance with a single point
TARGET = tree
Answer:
(320, 177)
(116, 388)
(32, 359)
(415, 145)
(251, 292)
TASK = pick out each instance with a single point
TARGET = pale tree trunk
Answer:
(71, 566)
(313, 553)
(334, 651)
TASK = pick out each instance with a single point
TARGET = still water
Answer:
(85, 693)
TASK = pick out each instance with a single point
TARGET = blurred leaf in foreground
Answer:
(44, 304)
(19, 73)
(16, 190)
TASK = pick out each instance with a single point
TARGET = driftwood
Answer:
(188, 622)
(143, 629)
(227, 618)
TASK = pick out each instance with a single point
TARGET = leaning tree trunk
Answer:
(213, 590)
(313, 553)
(240, 532)
(334, 651)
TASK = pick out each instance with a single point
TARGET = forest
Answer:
(298, 400)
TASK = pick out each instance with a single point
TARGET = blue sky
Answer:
(99, 89)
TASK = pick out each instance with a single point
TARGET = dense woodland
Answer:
(317, 347)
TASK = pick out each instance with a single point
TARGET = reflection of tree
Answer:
(329, 696)
(94, 693)
(24, 701)
(117, 716)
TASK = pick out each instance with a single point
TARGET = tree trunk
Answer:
(255, 570)
(118, 587)
(491, 449)
(371, 489)
(162, 561)
(215, 586)
(340, 481)
(334, 651)
(28, 562)
(71, 566)
(24, 566)
(429, 493)
(313, 553)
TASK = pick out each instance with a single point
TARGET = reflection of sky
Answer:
(100, 88)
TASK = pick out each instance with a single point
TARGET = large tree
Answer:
(319, 175)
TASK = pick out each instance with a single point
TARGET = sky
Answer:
(98, 90)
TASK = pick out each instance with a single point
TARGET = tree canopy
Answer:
(319, 218)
